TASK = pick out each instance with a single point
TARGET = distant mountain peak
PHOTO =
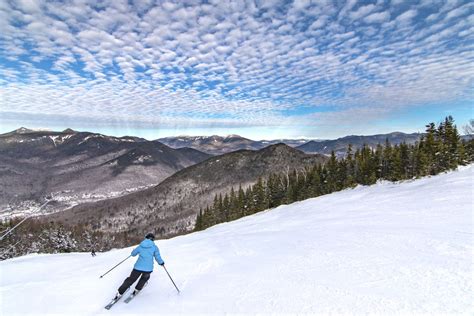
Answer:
(233, 136)
(23, 130)
(69, 131)
(282, 151)
(281, 148)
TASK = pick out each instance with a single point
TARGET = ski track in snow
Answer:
(392, 248)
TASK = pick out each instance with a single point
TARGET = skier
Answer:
(146, 251)
(93, 253)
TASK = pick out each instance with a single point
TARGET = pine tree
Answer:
(332, 169)
(241, 202)
(430, 149)
(350, 168)
(234, 207)
(292, 191)
(225, 208)
(199, 225)
(386, 160)
(248, 204)
(405, 161)
(456, 154)
(208, 218)
(442, 153)
(317, 186)
(274, 190)
(366, 169)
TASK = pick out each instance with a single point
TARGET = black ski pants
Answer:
(132, 278)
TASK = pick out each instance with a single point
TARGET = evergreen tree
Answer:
(430, 148)
(317, 185)
(275, 190)
(332, 169)
(234, 208)
(248, 204)
(225, 208)
(241, 202)
(349, 179)
(366, 168)
(405, 161)
(378, 160)
(386, 160)
(292, 191)
(199, 224)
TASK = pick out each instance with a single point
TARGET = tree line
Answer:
(438, 150)
(39, 236)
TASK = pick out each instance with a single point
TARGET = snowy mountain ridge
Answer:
(391, 248)
(69, 165)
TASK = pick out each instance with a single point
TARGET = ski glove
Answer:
(162, 264)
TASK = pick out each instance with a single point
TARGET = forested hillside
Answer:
(440, 149)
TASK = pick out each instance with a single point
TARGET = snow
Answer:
(53, 138)
(95, 136)
(392, 248)
(22, 209)
(142, 159)
(22, 130)
(59, 139)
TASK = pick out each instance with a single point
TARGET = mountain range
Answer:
(339, 146)
(218, 145)
(73, 167)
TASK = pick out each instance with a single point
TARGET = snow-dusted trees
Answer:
(35, 236)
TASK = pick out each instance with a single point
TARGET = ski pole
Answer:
(116, 266)
(171, 279)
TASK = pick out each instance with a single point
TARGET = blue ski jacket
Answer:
(147, 250)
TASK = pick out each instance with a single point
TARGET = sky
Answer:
(260, 69)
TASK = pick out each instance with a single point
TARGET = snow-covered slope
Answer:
(386, 249)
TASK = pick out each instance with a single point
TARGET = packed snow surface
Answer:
(392, 248)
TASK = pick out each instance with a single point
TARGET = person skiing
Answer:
(146, 251)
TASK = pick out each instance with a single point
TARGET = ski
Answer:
(113, 301)
(131, 296)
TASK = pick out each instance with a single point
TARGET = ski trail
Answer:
(391, 249)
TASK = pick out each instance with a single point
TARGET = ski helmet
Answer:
(150, 236)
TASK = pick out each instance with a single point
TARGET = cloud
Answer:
(377, 17)
(28, 6)
(407, 16)
(248, 63)
(460, 11)
(362, 11)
